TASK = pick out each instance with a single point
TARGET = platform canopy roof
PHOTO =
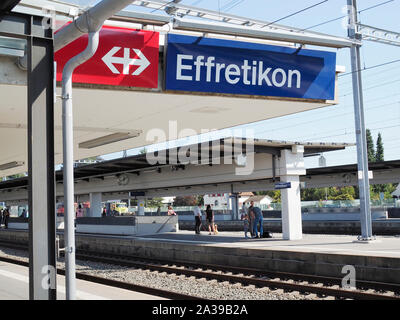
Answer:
(382, 166)
(101, 111)
(227, 146)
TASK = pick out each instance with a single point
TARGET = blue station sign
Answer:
(283, 185)
(197, 64)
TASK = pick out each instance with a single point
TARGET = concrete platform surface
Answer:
(385, 246)
(14, 285)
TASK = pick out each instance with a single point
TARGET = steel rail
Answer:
(115, 283)
(272, 283)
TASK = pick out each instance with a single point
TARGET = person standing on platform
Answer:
(197, 217)
(210, 220)
(251, 217)
(246, 224)
(258, 220)
(1, 217)
(6, 216)
(79, 211)
(171, 211)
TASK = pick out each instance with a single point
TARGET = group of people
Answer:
(252, 218)
(4, 216)
(212, 227)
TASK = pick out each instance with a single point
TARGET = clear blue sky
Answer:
(332, 124)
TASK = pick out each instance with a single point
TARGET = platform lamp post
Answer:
(362, 158)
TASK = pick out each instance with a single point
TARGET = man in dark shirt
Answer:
(6, 216)
(258, 219)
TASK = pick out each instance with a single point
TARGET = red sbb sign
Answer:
(125, 57)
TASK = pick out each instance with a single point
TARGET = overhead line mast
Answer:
(362, 157)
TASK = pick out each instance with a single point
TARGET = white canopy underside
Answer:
(100, 112)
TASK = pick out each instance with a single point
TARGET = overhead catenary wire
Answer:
(345, 16)
(197, 2)
(368, 68)
(375, 6)
(335, 110)
(352, 132)
(295, 13)
(329, 117)
(373, 87)
(349, 129)
(375, 74)
(166, 4)
(371, 129)
(230, 5)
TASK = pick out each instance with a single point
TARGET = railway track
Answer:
(318, 286)
(118, 284)
(306, 284)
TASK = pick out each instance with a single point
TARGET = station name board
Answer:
(222, 66)
(283, 185)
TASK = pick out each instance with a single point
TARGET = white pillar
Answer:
(291, 167)
(141, 204)
(291, 209)
(95, 204)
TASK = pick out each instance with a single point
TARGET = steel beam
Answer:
(41, 181)
(42, 223)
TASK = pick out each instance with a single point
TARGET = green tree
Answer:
(341, 193)
(154, 202)
(313, 194)
(370, 147)
(274, 194)
(16, 176)
(331, 193)
(379, 156)
(98, 158)
(200, 199)
(182, 201)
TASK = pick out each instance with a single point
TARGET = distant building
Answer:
(258, 200)
(216, 199)
(243, 196)
(396, 193)
(168, 200)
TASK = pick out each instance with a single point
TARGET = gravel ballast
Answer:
(203, 288)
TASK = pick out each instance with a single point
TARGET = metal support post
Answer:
(362, 158)
(42, 217)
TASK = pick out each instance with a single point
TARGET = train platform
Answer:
(322, 255)
(14, 285)
(384, 246)
(337, 226)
